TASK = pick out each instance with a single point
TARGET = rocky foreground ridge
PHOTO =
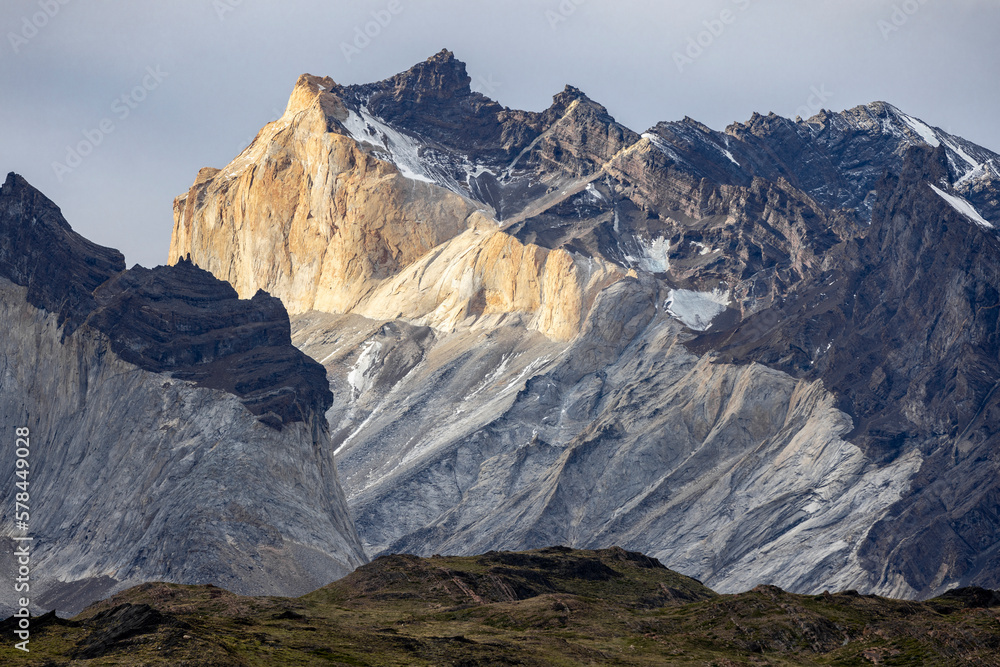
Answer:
(162, 410)
(762, 355)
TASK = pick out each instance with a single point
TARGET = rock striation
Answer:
(907, 334)
(340, 237)
(175, 432)
(762, 355)
(183, 321)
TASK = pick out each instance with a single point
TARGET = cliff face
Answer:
(906, 333)
(763, 355)
(176, 433)
(183, 321)
(316, 213)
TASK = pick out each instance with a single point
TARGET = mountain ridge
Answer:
(161, 409)
(684, 405)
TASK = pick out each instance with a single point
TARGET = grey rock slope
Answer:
(905, 332)
(789, 379)
(175, 433)
(739, 475)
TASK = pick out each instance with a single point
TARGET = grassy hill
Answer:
(552, 606)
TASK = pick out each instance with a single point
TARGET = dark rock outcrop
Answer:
(182, 320)
(178, 319)
(111, 628)
(40, 251)
(154, 400)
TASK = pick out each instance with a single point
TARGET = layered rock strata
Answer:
(763, 355)
(148, 459)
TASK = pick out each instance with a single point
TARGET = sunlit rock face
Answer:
(764, 354)
(175, 432)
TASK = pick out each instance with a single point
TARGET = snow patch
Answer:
(925, 132)
(662, 146)
(697, 309)
(475, 171)
(654, 255)
(493, 377)
(958, 150)
(594, 192)
(404, 151)
(731, 158)
(961, 205)
(529, 370)
(361, 376)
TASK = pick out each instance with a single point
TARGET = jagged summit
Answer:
(177, 319)
(541, 324)
(181, 435)
(441, 76)
(40, 251)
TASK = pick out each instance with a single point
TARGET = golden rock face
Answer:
(311, 215)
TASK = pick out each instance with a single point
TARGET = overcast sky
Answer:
(156, 90)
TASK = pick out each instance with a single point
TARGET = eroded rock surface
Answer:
(148, 460)
(764, 355)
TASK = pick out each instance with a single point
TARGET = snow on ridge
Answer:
(979, 171)
(403, 150)
(935, 138)
(961, 205)
(962, 154)
(696, 310)
(662, 146)
(924, 130)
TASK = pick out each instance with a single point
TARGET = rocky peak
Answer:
(442, 76)
(177, 319)
(562, 101)
(40, 251)
(751, 236)
(434, 101)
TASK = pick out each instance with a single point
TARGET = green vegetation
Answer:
(553, 606)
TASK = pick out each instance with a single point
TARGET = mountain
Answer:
(544, 607)
(175, 432)
(763, 355)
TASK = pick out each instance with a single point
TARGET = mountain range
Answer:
(766, 355)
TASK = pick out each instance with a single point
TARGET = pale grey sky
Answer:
(161, 89)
